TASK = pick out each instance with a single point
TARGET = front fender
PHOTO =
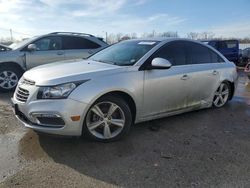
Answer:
(130, 83)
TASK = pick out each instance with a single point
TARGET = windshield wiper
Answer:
(101, 61)
(126, 64)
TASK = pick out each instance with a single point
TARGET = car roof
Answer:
(165, 39)
(99, 40)
(218, 40)
(156, 39)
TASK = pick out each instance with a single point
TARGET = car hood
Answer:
(68, 71)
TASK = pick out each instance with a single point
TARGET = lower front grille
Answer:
(22, 95)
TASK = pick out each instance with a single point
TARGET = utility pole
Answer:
(106, 36)
(11, 36)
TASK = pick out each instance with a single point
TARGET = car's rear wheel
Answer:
(221, 95)
(108, 119)
(9, 77)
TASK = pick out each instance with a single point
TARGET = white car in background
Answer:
(44, 49)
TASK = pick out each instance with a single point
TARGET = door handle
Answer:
(90, 52)
(60, 53)
(215, 72)
(185, 77)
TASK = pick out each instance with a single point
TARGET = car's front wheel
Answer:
(9, 77)
(108, 119)
(221, 95)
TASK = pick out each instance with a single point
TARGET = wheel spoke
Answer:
(106, 131)
(12, 75)
(117, 122)
(221, 99)
(216, 93)
(97, 111)
(216, 100)
(221, 88)
(225, 92)
(94, 125)
(5, 73)
(112, 109)
(3, 84)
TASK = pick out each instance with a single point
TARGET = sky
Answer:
(226, 18)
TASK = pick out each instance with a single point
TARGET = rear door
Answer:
(203, 63)
(49, 49)
(78, 47)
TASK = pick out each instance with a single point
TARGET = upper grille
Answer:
(22, 95)
(28, 82)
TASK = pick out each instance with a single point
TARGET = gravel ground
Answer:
(206, 148)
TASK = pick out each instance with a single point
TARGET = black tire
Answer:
(127, 113)
(16, 70)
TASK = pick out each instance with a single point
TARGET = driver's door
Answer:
(48, 49)
(165, 90)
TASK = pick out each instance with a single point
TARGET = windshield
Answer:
(20, 44)
(124, 53)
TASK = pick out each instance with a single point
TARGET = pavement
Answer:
(206, 148)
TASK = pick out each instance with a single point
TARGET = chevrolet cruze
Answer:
(129, 82)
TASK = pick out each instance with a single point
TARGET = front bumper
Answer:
(63, 108)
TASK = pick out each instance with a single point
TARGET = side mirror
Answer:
(160, 63)
(31, 47)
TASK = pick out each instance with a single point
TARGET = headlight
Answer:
(57, 92)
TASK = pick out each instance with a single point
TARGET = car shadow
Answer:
(181, 150)
(5, 97)
(157, 151)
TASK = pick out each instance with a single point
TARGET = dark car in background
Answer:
(229, 48)
(246, 55)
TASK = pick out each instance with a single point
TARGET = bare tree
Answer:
(118, 37)
(193, 35)
(206, 35)
(111, 38)
(133, 36)
(168, 34)
(201, 36)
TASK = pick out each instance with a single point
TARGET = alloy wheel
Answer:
(221, 95)
(8, 79)
(105, 120)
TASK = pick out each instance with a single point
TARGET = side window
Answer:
(227, 44)
(215, 58)
(231, 44)
(199, 54)
(70, 43)
(174, 52)
(222, 45)
(48, 43)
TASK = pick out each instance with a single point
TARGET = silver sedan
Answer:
(129, 82)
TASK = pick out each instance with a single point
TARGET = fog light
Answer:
(47, 119)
